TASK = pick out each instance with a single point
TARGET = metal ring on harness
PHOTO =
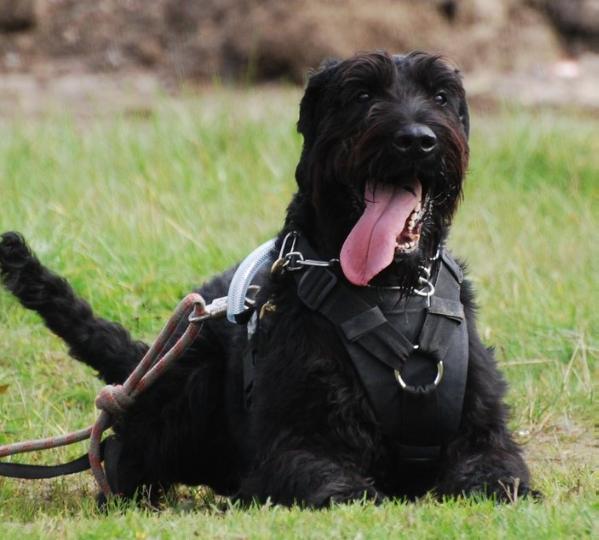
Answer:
(428, 288)
(421, 389)
(293, 261)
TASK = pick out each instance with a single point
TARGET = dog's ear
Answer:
(308, 116)
(463, 107)
(464, 115)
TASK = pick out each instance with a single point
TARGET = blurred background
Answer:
(122, 52)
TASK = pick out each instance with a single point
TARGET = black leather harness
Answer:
(411, 354)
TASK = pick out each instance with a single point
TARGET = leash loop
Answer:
(113, 399)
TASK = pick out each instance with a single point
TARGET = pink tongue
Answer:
(370, 246)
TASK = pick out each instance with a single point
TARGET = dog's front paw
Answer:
(512, 491)
(14, 253)
(505, 491)
(368, 494)
(502, 490)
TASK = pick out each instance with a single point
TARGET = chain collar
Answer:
(292, 260)
(427, 288)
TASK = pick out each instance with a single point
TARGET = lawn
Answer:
(136, 209)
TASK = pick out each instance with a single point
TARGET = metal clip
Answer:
(277, 267)
(215, 310)
(291, 235)
(285, 257)
(292, 260)
(436, 255)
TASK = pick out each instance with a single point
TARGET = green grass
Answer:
(137, 209)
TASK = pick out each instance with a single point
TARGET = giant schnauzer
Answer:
(328, 400)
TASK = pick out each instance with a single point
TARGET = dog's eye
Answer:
(363, 97)
(441, 98)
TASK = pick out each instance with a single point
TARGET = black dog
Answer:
(380, 175)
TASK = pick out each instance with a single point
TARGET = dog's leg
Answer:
(176, 431)
(306, 478)
(484, 458)
(125, 474)
(104, 345)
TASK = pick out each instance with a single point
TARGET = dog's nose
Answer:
(417, 140)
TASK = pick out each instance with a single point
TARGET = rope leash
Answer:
(113, 400)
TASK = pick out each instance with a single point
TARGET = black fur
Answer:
(310, 436)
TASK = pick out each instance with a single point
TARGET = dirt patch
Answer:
(563, 442)
(80, 94)
(565, 83)
(273, 39)
(531, 50)
(566, 453)
(577, 22)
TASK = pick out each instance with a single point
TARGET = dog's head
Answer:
(385, 152)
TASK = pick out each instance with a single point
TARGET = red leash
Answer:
(113, 400)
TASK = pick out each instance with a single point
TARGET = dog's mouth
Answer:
(409, 238)
(389, 227)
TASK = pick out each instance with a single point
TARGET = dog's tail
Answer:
(104, 345)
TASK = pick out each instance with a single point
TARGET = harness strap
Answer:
(361, 324)
(420, 440)
(249, 365)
